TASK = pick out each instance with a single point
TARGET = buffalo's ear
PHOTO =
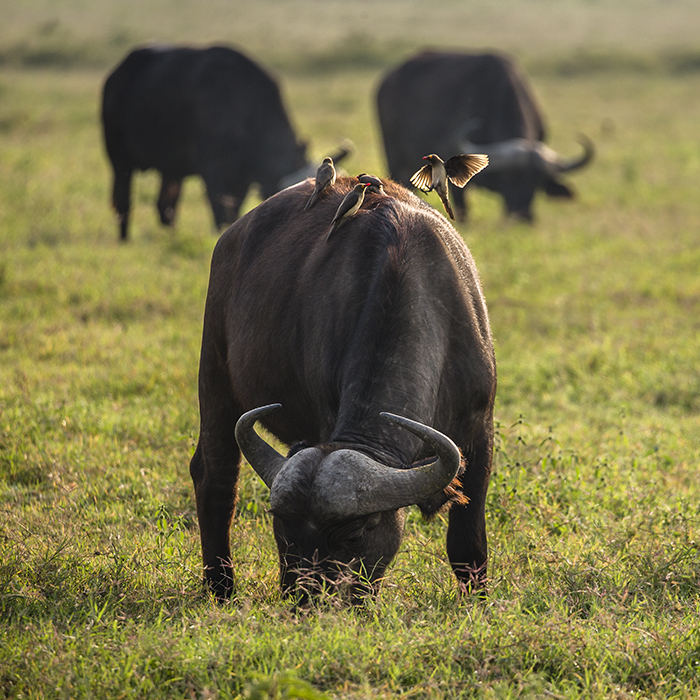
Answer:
(430, 507)
(554, 188)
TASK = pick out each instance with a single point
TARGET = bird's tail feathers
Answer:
(448, 208)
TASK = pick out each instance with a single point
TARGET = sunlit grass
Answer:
(592, 511)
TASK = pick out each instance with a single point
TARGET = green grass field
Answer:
(593, 511)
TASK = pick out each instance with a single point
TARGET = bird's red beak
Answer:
(426, 157)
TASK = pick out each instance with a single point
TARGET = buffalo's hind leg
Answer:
(214, 469)
(466, 533)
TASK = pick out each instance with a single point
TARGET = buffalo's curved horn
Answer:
(344, 149)
(505, 155)
(308, 170)
(447, 452)
(582, 160)
(427, 480)
(524, 153)
(264, 459)
(353, 484)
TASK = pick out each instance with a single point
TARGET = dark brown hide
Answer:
(435, 102)
(196, 111)
(387, 316)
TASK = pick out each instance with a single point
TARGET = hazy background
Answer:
(294, 30)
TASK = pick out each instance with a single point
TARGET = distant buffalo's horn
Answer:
(504, 155)
(582, 160)
(345, 148)
(308, 170)
(522, 153)
(264, 459)
(353, 484)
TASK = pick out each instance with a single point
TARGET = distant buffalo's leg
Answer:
(466, 533)
(459, 203)
(214, 469)
(226, 192)
(121, 198)
(170, 188)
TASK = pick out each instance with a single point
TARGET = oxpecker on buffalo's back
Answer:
(348, 207)
(375, 184)
(325, 178)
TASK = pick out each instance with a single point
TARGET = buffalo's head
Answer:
(519, 167)
(338, 513)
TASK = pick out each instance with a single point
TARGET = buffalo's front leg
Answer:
(215, 493)
(226, 190)
(170, 188)
(121, 197)
(466, 534)
(215, 464)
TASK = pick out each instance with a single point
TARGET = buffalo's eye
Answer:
(348, 536)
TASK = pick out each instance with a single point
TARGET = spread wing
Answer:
(461, 169)
(423, 178)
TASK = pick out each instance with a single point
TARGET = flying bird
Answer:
(349, 206)
(375, 184)
(325, 178)
(458, 170)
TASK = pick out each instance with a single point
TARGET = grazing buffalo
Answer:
(450, 103)
(371, 355)
(198, 111)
